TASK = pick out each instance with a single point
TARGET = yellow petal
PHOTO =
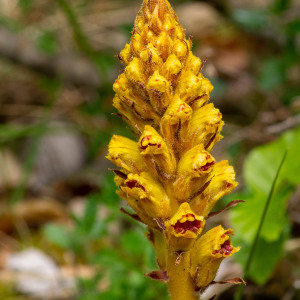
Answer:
(183, 228)
(147, 194)
(156, 154)
(125, 153)
(194, 169)
(205, 127)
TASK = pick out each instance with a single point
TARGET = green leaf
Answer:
(58, 235)
(47, 42)
(272, 74)
(246, 217)
(265, 257)
(260, 165)
(252, 20)
(108, 191)
(90, 214)
(133, 242)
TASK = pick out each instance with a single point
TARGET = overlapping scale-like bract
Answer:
(168, 175)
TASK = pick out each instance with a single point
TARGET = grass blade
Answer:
(239, 293)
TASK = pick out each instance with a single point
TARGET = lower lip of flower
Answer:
(207, 166)
(134, 184)
(145, 143)
(182, 227)
(225, 248)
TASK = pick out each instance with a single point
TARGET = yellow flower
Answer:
(125, 154)
(208, 253)
(221, 182)
(193, 170)
(145, 193)
(205, 127)
(156, 154)
(183, 228)
(175, 123)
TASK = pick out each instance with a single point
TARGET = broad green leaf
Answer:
(245, 217)
(262, 162)
(265, 258)
(134, 242)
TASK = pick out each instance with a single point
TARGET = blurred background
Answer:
(62, 235)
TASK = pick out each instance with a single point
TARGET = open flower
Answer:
(183, 228)
(146, 196)
(208, 253)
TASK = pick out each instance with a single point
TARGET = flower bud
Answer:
(134, 72)
(157, 156)
(134, 102)
(145, 194)
(174, 124)
(171, 68)
(125, 55)
(129, 116)
(189, 86)
(183, 228)
(151, 58)
(193, 170)
(193, 63)
(159, 92)
(208, 253)
(205, 127)
(164, 44)
(137, 44)
(125, 153)
(181, 49)
(155, 23)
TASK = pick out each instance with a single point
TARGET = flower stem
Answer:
(180, 284)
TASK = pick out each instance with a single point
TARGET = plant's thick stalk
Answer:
(180, 284)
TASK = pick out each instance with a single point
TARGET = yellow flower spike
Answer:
(208, 253)
(148, 194)
(205, 127)
(134, 102)
(175, 123)
(169, 178)
(125, 154)
(159, 92)
(193, 170)
(156, 154)
(183, 228)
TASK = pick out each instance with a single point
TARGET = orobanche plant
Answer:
(168, 177)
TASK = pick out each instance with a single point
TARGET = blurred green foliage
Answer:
(259, 170)
(121, 259)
